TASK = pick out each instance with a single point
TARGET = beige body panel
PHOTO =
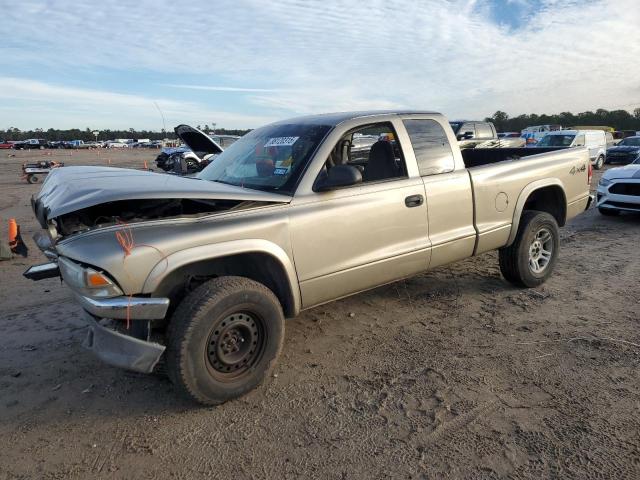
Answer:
(178, 241)
(450, 207)
(341, 239)
(501, 190)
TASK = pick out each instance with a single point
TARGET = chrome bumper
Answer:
(121, 308)
(121, 350)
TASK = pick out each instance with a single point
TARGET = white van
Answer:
(594, 140)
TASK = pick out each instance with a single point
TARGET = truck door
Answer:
(353, 238)
(449, 194)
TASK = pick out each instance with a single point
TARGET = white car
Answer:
(619, 190)
(117, 145)
(594, 140)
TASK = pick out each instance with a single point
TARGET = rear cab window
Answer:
(431, 146)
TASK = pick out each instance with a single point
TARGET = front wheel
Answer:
(530, 260)
(224, 339)
(599, 163)
(31, 178)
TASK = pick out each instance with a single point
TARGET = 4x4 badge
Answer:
(574, 170)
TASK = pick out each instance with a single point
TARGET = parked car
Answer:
(31, 144)
(114, 144)
(5, 145)
(198, 151)
(211, 274)
(620, 135)
(472, 133)
(627, 151)
(619, 189)
(594, 140)
(535, 133)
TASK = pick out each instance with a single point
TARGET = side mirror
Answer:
(339, 176)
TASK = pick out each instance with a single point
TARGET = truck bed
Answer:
(476, 157)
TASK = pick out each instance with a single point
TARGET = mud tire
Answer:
(199, 316)
(515, 259)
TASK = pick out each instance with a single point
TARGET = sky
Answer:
(242, 63)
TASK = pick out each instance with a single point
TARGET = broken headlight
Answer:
(87, 281)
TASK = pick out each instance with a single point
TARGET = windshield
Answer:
(556, 141)
(630, 142)
(270, 158)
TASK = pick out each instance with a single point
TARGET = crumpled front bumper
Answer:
(121, 350)
(108, 344)
(122, 308)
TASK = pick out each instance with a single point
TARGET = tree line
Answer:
(54, 134)
(618, 119)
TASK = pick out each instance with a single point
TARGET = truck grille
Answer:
(625, 189)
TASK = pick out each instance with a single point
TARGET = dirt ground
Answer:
(453, 373)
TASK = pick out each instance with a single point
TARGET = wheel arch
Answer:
(258, 260)
(544, 195)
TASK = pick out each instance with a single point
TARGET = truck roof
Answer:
(337, 118)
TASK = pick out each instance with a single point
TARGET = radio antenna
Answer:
(164, 124)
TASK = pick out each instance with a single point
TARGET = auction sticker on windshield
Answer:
(281, 141)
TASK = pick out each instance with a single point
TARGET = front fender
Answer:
(218, 250)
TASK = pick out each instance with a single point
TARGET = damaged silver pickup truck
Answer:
(203, 271)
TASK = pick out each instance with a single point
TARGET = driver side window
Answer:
(370, 152)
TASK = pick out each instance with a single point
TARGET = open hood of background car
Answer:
(199, 142)
(70, 189)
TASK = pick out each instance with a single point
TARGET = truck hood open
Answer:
(69, 189)
(199, 142)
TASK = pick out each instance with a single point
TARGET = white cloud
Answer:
(48, 105)
(301, 57)
(214, 88)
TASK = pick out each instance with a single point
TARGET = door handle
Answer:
(414, 200)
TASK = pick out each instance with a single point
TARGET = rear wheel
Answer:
(608, 212)
(224, 339)
(530, 260)
(32, 178)
(599, 162)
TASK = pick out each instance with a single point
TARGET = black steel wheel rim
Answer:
(235, 345)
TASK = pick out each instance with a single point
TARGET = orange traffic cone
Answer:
(13, 232)
(15, 239)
